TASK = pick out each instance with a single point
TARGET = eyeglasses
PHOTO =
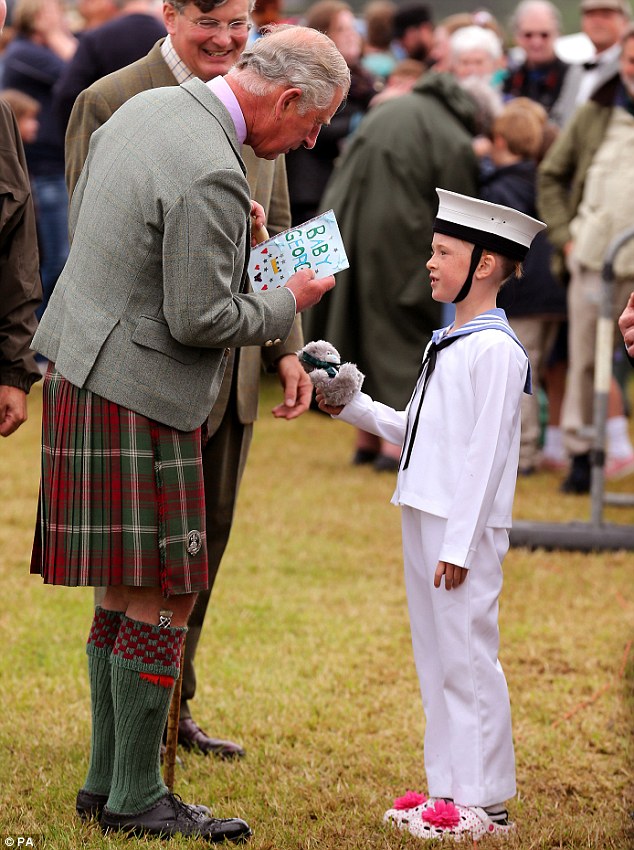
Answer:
(543, 35)
(209, 25)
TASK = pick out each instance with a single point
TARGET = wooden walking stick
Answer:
(171, 738)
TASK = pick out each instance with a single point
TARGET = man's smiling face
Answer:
(208, 50)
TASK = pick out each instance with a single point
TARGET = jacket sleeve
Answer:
(203, 246)
(20, 287)
(376, 418)
(555, 176)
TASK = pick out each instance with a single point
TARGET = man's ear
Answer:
(286, 99)
(169, 16)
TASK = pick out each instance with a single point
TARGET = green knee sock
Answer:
(103, 633)
(145, 664)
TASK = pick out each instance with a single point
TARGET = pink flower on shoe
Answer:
(441, 814)
(409, 800)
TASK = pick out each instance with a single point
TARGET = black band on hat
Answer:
(490, 241)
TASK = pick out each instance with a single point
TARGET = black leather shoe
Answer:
(90, 805)
(385, 463)
(363, 456)
(170, 816)
(578, 479)
(192, 737)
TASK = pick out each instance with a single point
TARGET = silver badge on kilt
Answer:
(194, 542)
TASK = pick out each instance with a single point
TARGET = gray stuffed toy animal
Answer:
(338, 381)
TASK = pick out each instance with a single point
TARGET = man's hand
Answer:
(12, 409)
(297, 387)
(306, 289)
(333, 410)
(454, 576)
(626, 324)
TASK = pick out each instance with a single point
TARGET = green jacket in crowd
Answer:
(562, 173)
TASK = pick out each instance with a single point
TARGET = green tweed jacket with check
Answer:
(267, 182)
(149, 298)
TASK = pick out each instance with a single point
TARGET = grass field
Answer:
(307, 661)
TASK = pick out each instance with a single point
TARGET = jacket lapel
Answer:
(158, 69)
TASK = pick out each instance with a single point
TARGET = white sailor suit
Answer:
(456, 496)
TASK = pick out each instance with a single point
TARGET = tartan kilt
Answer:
(122, 499)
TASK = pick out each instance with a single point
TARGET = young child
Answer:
(26, 110)
(535, 305)
(460, 435)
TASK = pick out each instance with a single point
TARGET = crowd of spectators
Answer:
(397, 51)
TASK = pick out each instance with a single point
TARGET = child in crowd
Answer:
(400, 80)
(535, 304)
(26, 110)
(460, 435)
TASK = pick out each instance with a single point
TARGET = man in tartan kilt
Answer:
(206, 50)
(138, 333)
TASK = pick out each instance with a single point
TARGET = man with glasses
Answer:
(536, 26)
(205, 39)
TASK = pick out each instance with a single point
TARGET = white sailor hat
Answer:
(492, 226)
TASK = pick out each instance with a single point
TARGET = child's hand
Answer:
(454, 576)
(327, 408)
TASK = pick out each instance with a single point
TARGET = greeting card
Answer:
(316, 245)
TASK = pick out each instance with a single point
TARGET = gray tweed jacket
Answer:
(151, 294)
(267, 181)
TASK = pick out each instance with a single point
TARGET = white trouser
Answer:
(468, 740)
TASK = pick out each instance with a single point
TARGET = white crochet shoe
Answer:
(446, 820)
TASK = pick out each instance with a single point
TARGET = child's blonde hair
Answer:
(521, 124)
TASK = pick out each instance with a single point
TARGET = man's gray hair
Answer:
(529, 6)
(475, 38)
(204, 6)
(294, 57)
